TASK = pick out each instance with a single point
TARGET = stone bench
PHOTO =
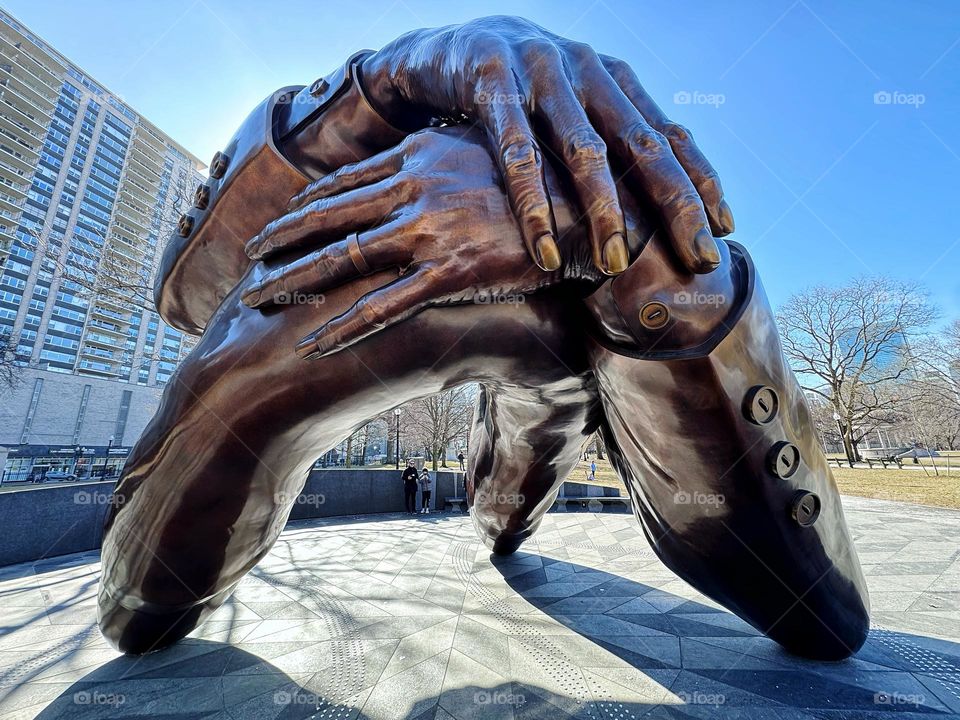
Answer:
(562, 504)
(592, 504)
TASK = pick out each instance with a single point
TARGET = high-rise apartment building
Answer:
(89, 191)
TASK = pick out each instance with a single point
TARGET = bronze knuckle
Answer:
(685, 202)
(585, 146)
(646, 143)
(372, 312)
(581, 53)
(676, 132)
(521, 156)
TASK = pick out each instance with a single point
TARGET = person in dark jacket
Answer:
(460, 458)
(410, 477)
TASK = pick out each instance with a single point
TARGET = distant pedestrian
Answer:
(410, 477)
(593, 470)
(426, 486)
(460, 458)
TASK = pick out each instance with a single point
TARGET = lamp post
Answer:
(106, 463)
(396, 413)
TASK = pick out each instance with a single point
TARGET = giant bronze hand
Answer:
(507, 74)
(432, 209)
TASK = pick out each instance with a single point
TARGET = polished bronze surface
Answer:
(405, 269)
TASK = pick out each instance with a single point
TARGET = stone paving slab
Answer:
(397, 617)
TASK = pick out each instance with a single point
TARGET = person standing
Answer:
(409, 478)
(426, 485)
(460, 458)
(593, 470)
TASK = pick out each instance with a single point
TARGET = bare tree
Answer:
(850, 345)
(600, 445)
(11, 359)
(938, 375)
(434, 422)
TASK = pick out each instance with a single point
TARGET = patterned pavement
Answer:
(393, 617)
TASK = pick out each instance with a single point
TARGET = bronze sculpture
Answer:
(704, 421)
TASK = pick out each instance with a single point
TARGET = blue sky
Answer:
(825, 181)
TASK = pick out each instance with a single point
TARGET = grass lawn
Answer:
(912, 486)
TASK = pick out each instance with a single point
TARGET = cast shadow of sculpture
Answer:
(695, 657)
(702, 652)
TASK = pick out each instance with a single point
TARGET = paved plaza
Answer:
(398, 617)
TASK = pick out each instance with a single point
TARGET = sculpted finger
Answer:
(503, 114)
(584, 153)
(331, 218)
(693, 161)
(374, 312)
(649, 162)
(324, 269)
(349, 177)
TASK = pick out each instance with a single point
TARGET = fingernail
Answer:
(251, 248)
(251, 296)
(615, 258)
(307, 348)
(726, 218)
(706, 249)
(548, 252)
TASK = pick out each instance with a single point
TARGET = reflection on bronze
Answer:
(417, 259)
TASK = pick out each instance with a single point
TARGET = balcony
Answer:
(111, 314)
(40, 73)
(29, 84)
(137, 193)
(140, 144)
(6, 240)
(86, 367)
(133, 244)
(15, 140)
(11, 203)
(105, 341)
(10, 175)
(128, 233)
(134, 215)
(143, 168)
(16, 159)
(26, 91)
(102, 326)
(10, 123)
(138, 170)
(38, 124)
(29, 50)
